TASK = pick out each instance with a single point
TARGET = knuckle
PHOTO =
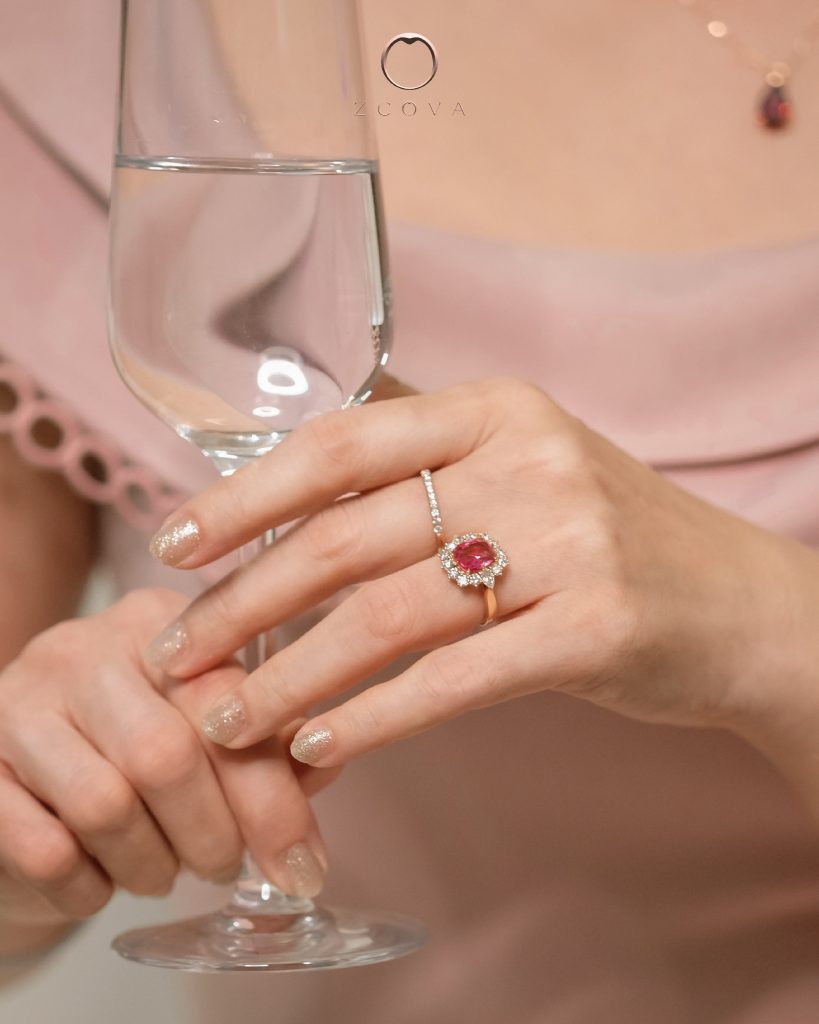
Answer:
(55, 647)
(335, 534)
(364, 719)
(386, 611)
(106, 804)
(446, 681)
(165, 759)
(602, 542)
(220, 606)
(514, 390)
(335, 436)
(532, 407)
(330, 434)
(560, 457)
(50, 861)
(20, 730)
(238, 500)
(82, 898)
(539, 459)
(568, 454)
(489, 681)
(279, 689)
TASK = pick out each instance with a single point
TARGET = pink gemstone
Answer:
(473, 555)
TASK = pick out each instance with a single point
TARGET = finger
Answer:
(411, 610)
(353, 540)
(162, 757)
(474, 673)
(281, 830)
(94, 800)
(314, 780)
(334, 454)
(264, 792)
(36, 848)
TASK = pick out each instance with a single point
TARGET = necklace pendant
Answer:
(774, 109)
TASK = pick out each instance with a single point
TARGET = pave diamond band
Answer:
(432, 498)
(470, 559)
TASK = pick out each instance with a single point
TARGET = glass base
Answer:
(308, 938)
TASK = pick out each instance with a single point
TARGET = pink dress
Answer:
(574, 867)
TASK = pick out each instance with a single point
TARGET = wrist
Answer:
(779, 713)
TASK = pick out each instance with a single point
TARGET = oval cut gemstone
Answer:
(774, 110)
(473, 555)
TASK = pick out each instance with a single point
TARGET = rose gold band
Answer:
(491, 606)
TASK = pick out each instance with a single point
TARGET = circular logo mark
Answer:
(408, 39)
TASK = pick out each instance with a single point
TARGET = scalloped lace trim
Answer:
(48, 433)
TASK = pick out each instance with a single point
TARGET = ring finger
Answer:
(410, 610)
(351, 541)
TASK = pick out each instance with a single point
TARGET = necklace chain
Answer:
(776, 73)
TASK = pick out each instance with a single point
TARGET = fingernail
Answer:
(175, 541)
(164, 651)
(303, 872)
(310, 747)
(225, 721)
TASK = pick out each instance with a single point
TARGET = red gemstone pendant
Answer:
(775, 108)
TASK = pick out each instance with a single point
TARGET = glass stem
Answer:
(254, 893)
(261, 647)
(252, 883)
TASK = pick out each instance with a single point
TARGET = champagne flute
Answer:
(249, 291)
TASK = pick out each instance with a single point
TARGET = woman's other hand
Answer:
(105, 782)
(621, 588)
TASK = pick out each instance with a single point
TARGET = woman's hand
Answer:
(104, 780)
(621, 588)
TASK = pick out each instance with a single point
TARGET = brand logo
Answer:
(409, 39)
(409, 62)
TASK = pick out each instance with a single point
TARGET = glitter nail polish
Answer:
(225, 721)
(304, 873)
(175, 541)
(310, 747)
(165, 650)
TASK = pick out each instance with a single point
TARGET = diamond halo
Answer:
(486, 575)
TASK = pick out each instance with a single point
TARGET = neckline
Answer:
(609, 253)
